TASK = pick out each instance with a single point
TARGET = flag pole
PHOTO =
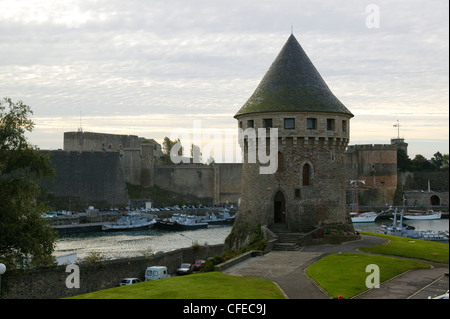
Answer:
(398, 130)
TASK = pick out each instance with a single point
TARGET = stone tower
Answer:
(308, 187)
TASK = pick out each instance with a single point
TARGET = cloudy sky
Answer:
(148, 68)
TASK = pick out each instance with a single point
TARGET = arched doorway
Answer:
(279, 206)
(435, 200)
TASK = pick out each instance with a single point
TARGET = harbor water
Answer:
(114, 245)
(123, 244)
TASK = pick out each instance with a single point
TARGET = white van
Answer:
(156, 272)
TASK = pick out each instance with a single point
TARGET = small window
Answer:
(306, 175)
(280, 162)
(311, 124)
(250, 123)
(330, 125)
(240, 124)
(289, 124)
(344, 126)
(267, 123)
(297, 193)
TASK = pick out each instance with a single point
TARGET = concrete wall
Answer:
(50, 283)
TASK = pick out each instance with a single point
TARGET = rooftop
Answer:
(292, 83)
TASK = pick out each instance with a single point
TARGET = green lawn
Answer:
(345, 274)
(339, 274)
(211, 285)
(411, 248)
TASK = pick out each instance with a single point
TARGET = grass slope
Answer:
(411, 248)
(345, 274)
(211, 285)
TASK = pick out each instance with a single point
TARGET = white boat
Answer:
(129, 223)
(368, 217)
(225, 214)
(213, 220)
(423, 216)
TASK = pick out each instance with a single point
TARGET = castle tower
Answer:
(308, 187)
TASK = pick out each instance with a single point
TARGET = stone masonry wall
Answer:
(91, 176)
(50, 283)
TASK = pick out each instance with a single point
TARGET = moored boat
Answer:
(368, 217)
(129, 223)
(212, 219)
(225, 214)
(181, 222)
(423, 216)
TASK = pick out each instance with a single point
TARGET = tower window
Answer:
(267, 123)
(311, 124)
(280, 162)
(306, 175)
(250, 123)
(289, 124)
(297, 193)
(330, 125)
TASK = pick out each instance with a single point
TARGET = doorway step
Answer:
(287, 241)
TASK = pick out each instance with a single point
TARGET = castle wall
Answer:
(219, 183)
(377, 166)
(91, 176)
(88, 141)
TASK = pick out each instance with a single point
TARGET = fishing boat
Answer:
(225, 214)
(181, 222)
(430, 215)
(129, 223)
(224, 218)
(212, 219)
(368, 217)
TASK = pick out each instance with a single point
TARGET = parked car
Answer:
(129, 281)
(197, 264)
(184, 269)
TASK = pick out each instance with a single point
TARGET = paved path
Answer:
(287, 270)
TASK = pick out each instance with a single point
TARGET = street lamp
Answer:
(2, 271)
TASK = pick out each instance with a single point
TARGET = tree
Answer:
(437, 160)
(403, 161)
(445, 159)
(25, 237)
(166, 147)
(420, 163)
(168, 144)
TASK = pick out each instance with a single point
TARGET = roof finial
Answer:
(292, 29)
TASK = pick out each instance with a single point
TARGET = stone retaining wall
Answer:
(50, 283)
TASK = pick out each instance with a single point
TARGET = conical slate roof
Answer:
(292, 83)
